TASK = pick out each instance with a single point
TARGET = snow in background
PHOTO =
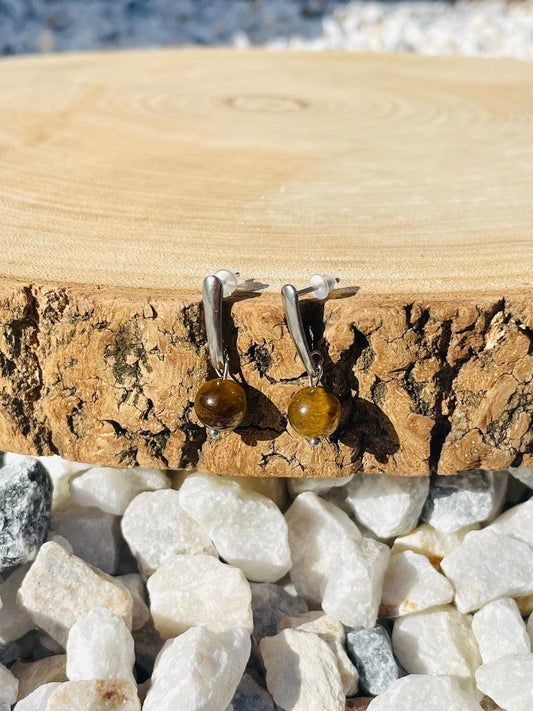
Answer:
(485, 28)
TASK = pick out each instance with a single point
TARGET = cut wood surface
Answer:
(125, 178)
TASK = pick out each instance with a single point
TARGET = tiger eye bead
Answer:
(220, 404)
(314, 412)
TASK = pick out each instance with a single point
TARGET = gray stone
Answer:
(371, 652)
(270, 604)
(14, 623)
(522, 474)
(251, 697)
(25, 506)
(463, 499)
(93, 535)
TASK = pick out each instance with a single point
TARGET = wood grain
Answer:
(126, 177)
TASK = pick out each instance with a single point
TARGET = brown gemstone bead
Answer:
(314, 412)
(220, 404)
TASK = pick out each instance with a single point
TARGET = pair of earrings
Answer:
(220, 403)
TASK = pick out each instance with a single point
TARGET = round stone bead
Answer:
(220, 404)
(314, 412)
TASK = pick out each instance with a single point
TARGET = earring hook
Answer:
(215, 287)
(321, 286)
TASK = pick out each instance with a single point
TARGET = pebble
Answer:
(9, 686)
(198, 671)
(471, 497)
(333, 564)
(371, 652)
(418, 692)
(508, 681)
(488, 565)
(499, 630)
(247, 528)
(141, 613)
(524, 475)
(60, 588)
(316, 484)
(37, 700)
(530, 629)
(26, 504)
(516, 522)
(332, 632)
(412, 584)
(434, 544)
(14, 622)
(112, 490)
(386, 505)
(95, 695)
(438, 641)
(93, 535)
(270, 604)
(32, 675)
(273, 487)
(302, 672)
(100, 646)
(155, 527)
(359, 703)
(251, 697)
(190, 590)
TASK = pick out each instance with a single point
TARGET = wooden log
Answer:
(125, 178)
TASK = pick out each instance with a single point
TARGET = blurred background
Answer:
(482, 28)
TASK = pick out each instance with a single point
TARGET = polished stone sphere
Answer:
(220, 404)
(314, 412)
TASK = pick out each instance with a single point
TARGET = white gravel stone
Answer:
(100, 646)
(523, 474)
(135, 584)
(96, 695)
(38, 699)
(198, 671)
(516, 522)
(155, 526)
(508, 681)
(438, 641)
(60, 588)
(333, 565)
(112, 490)
(316, 484)
(247, 528)
(32, 675)
(332, 632)
(387, 505)
(434, 544)
(14, 622)
(412, 584)
(500, 630)
(418, 692)
(190, 590)
(488, 565)
(302, 672)
(470, 497)
(9, 685)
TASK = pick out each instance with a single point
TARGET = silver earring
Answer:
(313, 412)
(220, 403)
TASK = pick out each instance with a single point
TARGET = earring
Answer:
(220, 403)
(313, 412)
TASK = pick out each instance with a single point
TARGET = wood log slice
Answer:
(125, 178)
